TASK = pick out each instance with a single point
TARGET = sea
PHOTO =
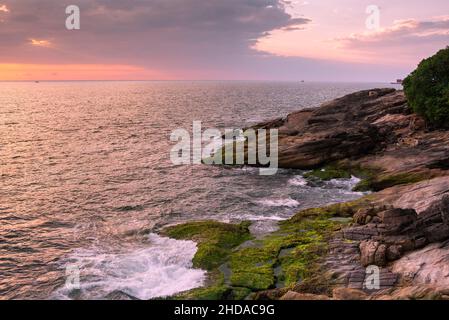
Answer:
(86, 181)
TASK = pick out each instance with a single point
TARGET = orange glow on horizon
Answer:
(30, 72)
(4, 8)
(40, 43)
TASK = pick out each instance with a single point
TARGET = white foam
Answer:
(288, 202)
(161, 269)
(299, 181)
(347, 184)
(254, 217)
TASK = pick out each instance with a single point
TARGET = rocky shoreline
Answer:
(402, 227)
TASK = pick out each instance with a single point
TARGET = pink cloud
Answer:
(3, 8)
(403, 32)
(406, 41)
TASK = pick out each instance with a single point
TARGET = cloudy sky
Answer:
(314, 40)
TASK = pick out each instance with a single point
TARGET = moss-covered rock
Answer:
(345, 170)
(372, 179)
(283, 258)
(253, 268)
(384, 181)
(328, 173)
(215, 240)
(341, 210)
(215, 289)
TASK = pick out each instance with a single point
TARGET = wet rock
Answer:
(120, 295)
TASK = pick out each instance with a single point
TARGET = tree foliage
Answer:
(427, 89)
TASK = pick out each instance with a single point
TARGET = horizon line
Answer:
(200, 80)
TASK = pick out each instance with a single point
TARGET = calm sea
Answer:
(86, 181)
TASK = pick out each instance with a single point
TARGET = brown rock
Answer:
(368, 252)
(421, 292)
(398, 218)
(291, 295)
(380, 257)
(394, 252)
(429, 265)
(368, 219)
(360, 216)
(337, 130)
(348, 294)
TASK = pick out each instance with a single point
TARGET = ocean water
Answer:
(86, 181)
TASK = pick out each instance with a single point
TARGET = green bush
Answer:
(427, 89)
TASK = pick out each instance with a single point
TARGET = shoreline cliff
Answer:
(402, 227)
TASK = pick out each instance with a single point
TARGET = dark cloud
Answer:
(188, 38)
(162, 32)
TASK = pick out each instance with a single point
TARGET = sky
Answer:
(280, 40)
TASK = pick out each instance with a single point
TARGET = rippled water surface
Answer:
(86, 179)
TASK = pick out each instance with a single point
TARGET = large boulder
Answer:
(342, 128)
(372, 253)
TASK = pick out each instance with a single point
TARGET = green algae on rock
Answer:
(385, 181)
(281, 259)
(215, 240)
(372, 179)
(328, 173)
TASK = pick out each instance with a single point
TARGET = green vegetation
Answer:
(372, 178)
(252, 268)
(343, 170)
(328, 173)
(215, 240)
(427, 89)
(386, 181)
(283, 258)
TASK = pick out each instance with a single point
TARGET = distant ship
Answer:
(398, 81)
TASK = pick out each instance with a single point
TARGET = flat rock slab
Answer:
(426, 266)
(420, 196)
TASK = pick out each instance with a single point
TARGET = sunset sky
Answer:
(314, 40)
